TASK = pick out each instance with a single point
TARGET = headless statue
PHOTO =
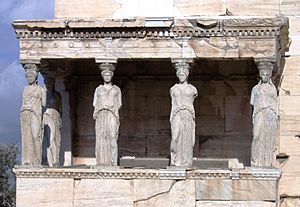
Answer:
(52, 122)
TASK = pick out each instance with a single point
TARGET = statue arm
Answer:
(119, 99)
(195, 92)
(252, 97)
(95, 98)
(44, 97)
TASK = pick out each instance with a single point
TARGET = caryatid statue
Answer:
(264, 118)
(182, 118)
(33, 99)
(52, 119)
(107, 102)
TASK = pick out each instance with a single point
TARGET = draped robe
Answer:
(264, 118)
(34, 97)
(183, 125)
(107, 103)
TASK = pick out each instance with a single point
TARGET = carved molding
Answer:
(77, 173)
(137, 28)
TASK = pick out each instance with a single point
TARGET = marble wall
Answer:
(143, 188)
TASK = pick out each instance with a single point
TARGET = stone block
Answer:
(290, 145)
(153, 163)
(289, 184)
(239, 124)
(78, 8)
(290, 7)
(107, 192)
(289, 87)
(257, 47)
(291, 67)
(157, 124)
(132, 146)
(205, 48)
(154, 188)
(289, 106)
(89, 161)
(154, 8)
(289, 125)
(236, 190)
(202, 7)
(235, 204)
(239, 87)
(294, 23)
(295, 45)
(237, 106)
(253, 7)
(210, 125)
(210, 106)
(226, 147)
(290, 202)
(164, 193)
(158, 145)
(46, 191)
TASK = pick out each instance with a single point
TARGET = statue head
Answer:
(265, 71)
(182, 71)
(31, 72)
(265, 75)
(107, 72)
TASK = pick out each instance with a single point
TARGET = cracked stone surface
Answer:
(164, 193)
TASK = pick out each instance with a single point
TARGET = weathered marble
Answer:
(65, 9)
(164, 193)
(142, 187)
(290, 202)
(52, 122)
(103, 192)
(265, 116)
(236, 190)
(33, 99)
(235, 204)
(41, 192)
(107, 102)
(182, 118)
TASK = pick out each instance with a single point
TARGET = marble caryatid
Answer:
(264, 118)
(182, 118)
(52, 123)
(107, 102)
(33, 99)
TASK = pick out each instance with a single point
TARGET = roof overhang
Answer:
(206, 37)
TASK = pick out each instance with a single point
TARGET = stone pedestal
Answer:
(146, 187)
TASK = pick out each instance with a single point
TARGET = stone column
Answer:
(64, 87)
(182, 117)
(264, 118)
(52, 122)
(33, 100)
(107, 103)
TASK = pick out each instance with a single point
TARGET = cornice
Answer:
(141, 28)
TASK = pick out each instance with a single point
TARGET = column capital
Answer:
(182, 60)
(30, 61)
(31, 67)
(265, 63)
(106, 60)
(182, 63)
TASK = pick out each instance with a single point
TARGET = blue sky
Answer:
(12, 78)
